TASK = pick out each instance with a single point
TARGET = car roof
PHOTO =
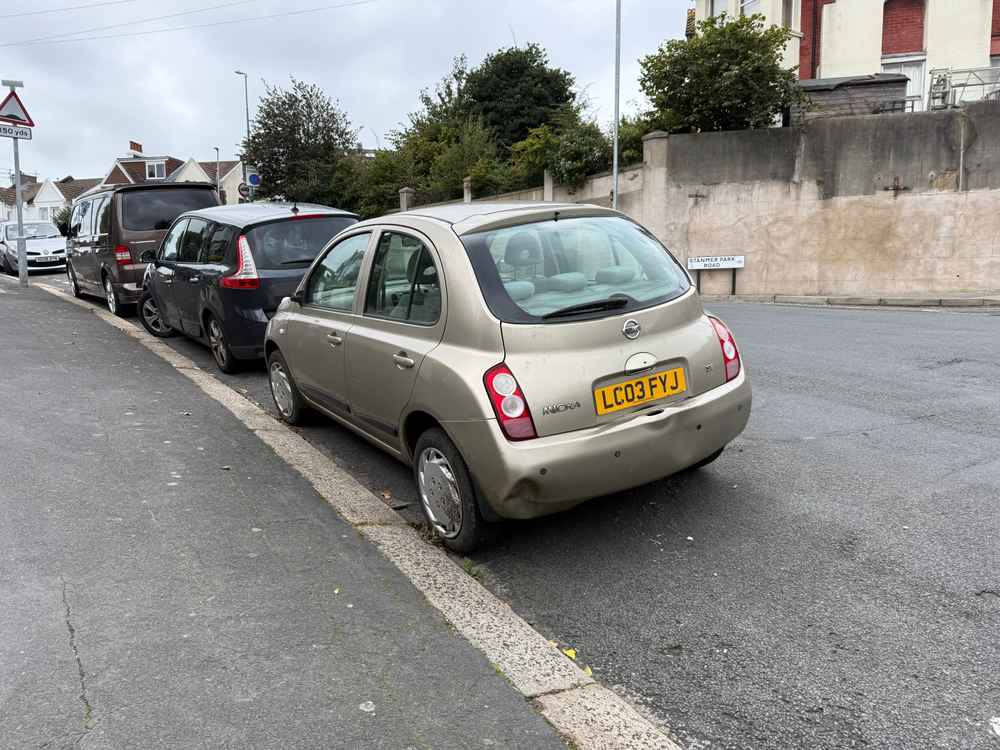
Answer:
(472, 217)
(244, 214)
(99, 189)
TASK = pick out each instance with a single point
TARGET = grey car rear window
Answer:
(149, 210)
(294, 242)
(585, 267)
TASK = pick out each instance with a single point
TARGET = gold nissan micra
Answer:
(521, 357)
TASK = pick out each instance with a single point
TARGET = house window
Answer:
(156, 170)
(788, 13)
(916, 70)
(43, 214)
(749, 7)
(717, 7)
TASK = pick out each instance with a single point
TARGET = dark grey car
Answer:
(111, 227)
(220, 273)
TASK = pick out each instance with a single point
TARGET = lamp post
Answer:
(246, 101)
(618, 74)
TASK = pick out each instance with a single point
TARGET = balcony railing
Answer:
(955, 87)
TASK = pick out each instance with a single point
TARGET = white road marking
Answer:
(590, 715)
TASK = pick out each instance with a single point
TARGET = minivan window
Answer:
(172, 241)
(294, 242)
(585, 267)
(80, 219)
(150, 210)
(33, 230)
(215, 249)
(193, 241)
(404, 283)
(98, 212)
(334, 280)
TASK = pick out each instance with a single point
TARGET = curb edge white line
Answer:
(589, 714)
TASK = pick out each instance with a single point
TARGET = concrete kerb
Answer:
(588, 714)
(857, 301)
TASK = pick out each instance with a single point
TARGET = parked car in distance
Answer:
(110, 227)
(220, 273)
(44, 245)
(522, 358)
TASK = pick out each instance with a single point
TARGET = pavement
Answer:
(168, 581)
(830, 582)
(971, 300)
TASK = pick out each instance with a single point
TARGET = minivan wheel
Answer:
(114, 306)
(73, 282)
(152, 321)
(287, 398)
(220, 347)
(447, 495)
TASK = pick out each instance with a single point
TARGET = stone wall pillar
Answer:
(467, 190)
(406, 198)
(548, 187)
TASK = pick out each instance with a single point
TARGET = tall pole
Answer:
(22, 250)
(246, 101)
(618, 75)
(218, 184)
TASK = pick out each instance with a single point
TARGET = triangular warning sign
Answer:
(12, 110)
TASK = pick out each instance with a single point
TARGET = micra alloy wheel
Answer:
(286, 395)
(152, 321)
(220, 346)
(447, 493)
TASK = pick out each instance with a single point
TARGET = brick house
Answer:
(948, 49)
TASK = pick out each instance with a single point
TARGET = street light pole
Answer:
(246, 101)
(22, 250)
(618, 73)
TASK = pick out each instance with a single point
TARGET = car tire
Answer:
(74, 284)
(219, 345)
(287, 399)
(446, 489)
(707, 460)
(115, 307)
(149, 316)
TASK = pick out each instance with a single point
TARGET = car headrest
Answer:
(420, 268)
(523, 250)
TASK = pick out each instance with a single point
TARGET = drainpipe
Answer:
(961, 153)
(815, 35)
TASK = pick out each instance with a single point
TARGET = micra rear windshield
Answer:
(152, 210)
(294, 242)
(573, 269)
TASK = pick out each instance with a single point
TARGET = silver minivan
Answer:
(522, 358)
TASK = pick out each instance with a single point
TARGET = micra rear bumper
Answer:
(546, 475)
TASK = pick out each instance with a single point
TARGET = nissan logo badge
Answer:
(631, 329)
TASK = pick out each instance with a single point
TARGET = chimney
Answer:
(135, 148)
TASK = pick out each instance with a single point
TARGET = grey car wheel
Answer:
(220, 347)
(111, 297)
(286, 395)
(447, 494)
(74, 284)
(152, 321)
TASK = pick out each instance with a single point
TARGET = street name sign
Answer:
(243, 190)
(709, 263)
(14, 131)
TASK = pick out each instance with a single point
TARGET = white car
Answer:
(46, 247)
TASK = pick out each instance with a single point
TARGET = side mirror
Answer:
(148, 256)
(297, 297)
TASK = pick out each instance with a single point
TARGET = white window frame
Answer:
(901, 60)
(159, 169)
(43, 213)
(717, 7)
(745, 3)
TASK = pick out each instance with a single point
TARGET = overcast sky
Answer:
(177, 94)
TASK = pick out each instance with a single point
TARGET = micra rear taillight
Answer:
(509, 403)
(122, 255)
(246, 270)
(730, 354)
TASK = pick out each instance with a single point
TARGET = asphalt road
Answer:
(832, 581)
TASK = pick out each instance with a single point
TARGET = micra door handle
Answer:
(402, 361)
(334, 339)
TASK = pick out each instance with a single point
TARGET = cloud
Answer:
(177, 94)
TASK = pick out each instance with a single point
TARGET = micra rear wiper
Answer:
(297, 260)
(612, 303)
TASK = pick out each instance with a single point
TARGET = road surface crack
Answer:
(88, 711)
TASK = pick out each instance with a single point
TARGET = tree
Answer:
(298, 140)
(514, 90)
(570, 148)
(729, 76)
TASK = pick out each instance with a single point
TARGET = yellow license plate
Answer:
(637, 392)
